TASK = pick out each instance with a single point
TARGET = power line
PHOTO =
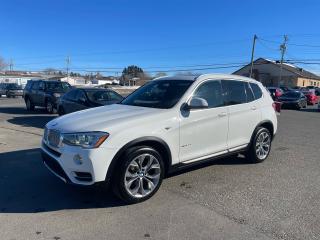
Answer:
(176, 47)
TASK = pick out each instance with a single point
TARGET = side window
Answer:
(211, 92)
(256, 90)
(71, 95)
(234, 92)
(250, 96)
(28, 86)
(80, 95)
(35, 86)
(114, 96)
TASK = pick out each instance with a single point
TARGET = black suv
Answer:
(44, 93)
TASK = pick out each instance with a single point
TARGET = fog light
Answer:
(77, 159)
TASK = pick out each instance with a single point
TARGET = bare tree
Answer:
(3, 64)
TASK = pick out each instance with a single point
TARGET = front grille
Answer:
(53, 137)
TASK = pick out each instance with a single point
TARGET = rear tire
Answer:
(139, 174)
(260, 146)
(29, 105)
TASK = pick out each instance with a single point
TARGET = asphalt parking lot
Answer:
(228, 199)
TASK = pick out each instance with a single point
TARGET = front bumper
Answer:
(92, 169)
(15, 93)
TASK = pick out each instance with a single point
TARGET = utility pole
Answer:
(283, 48)
(11, 65)
(68, 64)
(252, 53)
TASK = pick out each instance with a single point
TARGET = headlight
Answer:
(85, 140)
(57, 95)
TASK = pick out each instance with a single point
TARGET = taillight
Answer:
(276, 106)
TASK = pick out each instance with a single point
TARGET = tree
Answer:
(131, 72)
(3, 64)
(49, 71)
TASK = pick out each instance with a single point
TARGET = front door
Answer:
(203, 132)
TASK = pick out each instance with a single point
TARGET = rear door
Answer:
(41, 94)
(244, 113)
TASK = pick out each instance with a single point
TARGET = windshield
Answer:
(158, 94)
(292, 94)
(58, 86)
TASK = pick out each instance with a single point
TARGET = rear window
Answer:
(58, 86)
(292, 94)
(28, 86)
(256, 90)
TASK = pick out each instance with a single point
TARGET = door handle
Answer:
(253, 108)
(223, 114)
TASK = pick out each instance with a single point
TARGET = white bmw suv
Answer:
(167, 124)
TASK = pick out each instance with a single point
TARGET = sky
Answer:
(197, 36)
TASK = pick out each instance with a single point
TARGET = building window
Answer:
(303, 84)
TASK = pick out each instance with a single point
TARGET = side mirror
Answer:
(197, 103)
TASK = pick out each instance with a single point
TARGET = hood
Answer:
(101, 118)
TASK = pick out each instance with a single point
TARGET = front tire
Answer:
(29, 105)
(49, 106)
(260, 146)
(139, 175)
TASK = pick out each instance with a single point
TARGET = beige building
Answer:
(268, 73)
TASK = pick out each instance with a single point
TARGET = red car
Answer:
(312, 98)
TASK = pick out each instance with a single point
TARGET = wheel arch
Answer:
(266, 124)
(157, 143)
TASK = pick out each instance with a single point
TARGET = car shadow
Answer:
(310, 110)
(28, 187)
(31, 121)
(21, 110)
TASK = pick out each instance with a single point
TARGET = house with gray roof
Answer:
(268, 73)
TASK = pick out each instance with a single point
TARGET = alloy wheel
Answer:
(263, 144)
(49, 107)
(142, 175)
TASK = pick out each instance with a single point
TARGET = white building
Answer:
(105, 81)
(74, 80)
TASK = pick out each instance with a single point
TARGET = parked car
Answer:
(167, 124)
(44, 93)
(10, 90)
(82, 98)
(311, 87)
(286, 89)
(275, 92)
(312, 98)
(293, 99)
